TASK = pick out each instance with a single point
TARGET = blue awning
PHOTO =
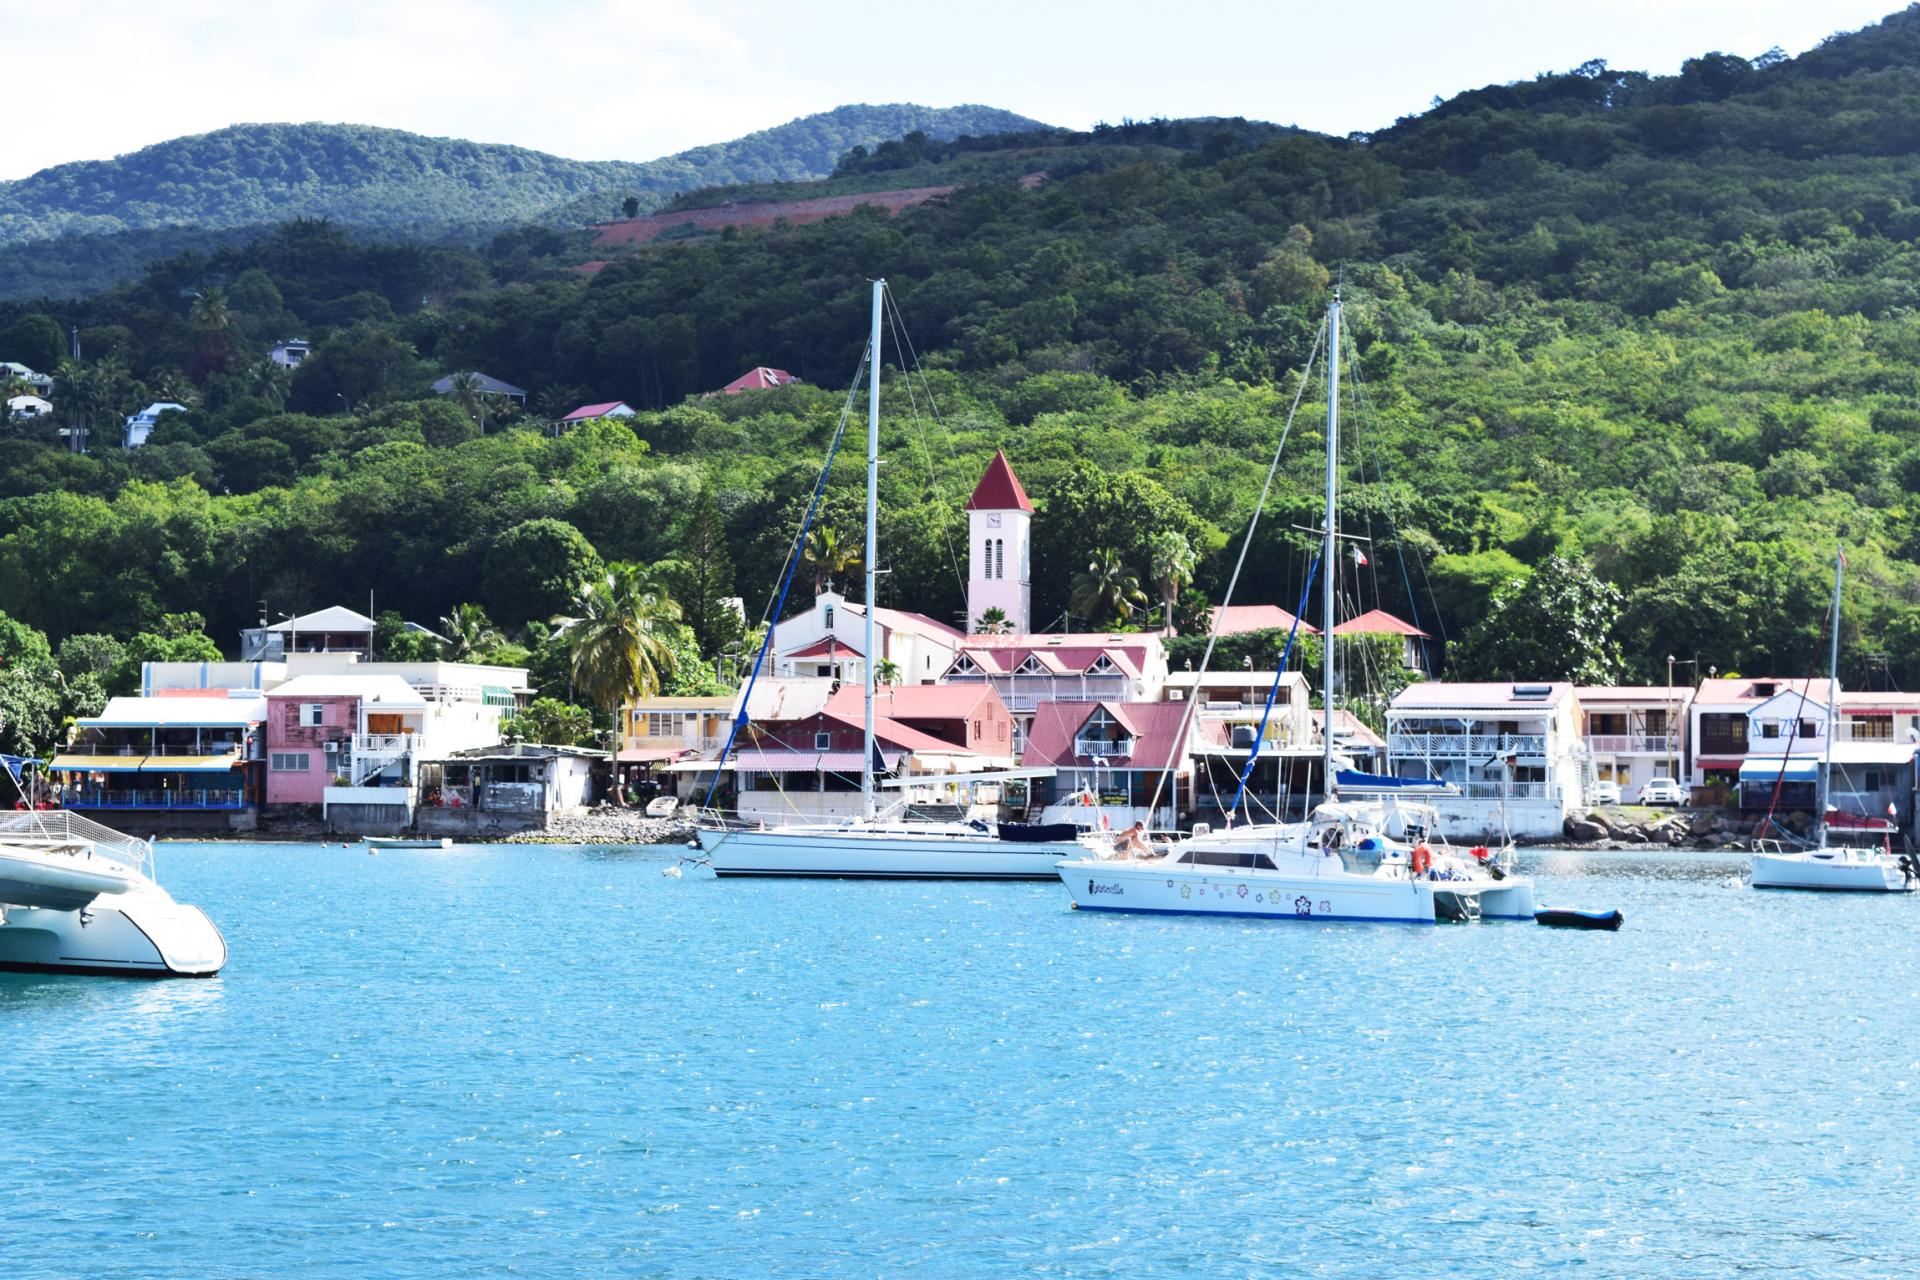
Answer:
(1769, 770)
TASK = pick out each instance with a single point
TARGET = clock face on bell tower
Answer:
(993, 519)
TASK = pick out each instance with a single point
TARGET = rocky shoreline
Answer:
(1701, 829)
(606, 825)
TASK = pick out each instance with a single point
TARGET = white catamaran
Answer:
(1846, 868)
(871, 846)
(1379, 859)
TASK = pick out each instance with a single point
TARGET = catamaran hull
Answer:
(840, 856)
(1834, 873)
(144, 934)
(45, 878)
(1106, 886)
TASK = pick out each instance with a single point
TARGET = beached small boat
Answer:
(1578, 918)
(409, 842)
(662, 806)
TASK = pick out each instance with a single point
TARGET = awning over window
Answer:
(1787, 770)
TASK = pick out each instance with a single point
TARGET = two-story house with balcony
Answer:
(174, 763)
(1635, 732)
(1514, 751)
(1718, 722)
(346, 748)
(1112, 758)
(1872, 749)
(1029, 671)
(655, 732)
(1228, 710)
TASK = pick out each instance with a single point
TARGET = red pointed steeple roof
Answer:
(999, 489)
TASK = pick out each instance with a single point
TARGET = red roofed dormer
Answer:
(999, 489)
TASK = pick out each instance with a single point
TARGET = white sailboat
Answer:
(77, 897)
(1377, 860)
(870, 846)
(1842, 869)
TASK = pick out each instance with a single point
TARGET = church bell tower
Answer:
(999, 540)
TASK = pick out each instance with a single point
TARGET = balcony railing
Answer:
(210, 798)
(1470, 745)
(1628, 742)
(1103, 747)
(122, 751)
(1477, 790)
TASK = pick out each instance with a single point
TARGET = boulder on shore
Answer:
(1583, 829)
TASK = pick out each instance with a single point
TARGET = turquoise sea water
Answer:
(546, 1061)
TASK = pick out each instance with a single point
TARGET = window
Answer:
(977, 732)
(1877, 728)
(823, 742)
(1871, 780)
(664, 724)
(1769, 728)
(290, 762)
(999, 557)
(829, 617)
(312, 714)
(1809, 728)
(986, 559)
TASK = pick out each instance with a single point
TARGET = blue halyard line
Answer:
(1233, 805)
(779, 605)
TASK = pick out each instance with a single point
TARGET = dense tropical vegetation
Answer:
(1643, 349)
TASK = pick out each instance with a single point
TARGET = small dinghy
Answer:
(1578, 918)
(409, 842)
(662, 807)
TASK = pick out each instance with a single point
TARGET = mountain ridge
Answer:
(383, 179)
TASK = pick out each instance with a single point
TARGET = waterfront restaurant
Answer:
(196, 754)
(1513, 750)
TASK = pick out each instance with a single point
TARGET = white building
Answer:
(141, 425)
(290, 354)
(1512, 749)
(829, 640)
(26, 408)
(40, 384)
(1635, 732)
(999, 548)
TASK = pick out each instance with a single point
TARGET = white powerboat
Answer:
(1340, 866)
(409, 842)
(1846, 869)
(77, 897)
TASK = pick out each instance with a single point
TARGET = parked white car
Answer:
(1604, 793)
(1662, 791)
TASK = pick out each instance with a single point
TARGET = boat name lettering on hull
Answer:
(1094, 887)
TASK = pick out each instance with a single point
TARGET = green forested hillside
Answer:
(1645, 345)
(392, 182)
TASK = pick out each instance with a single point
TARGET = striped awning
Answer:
(144, 764)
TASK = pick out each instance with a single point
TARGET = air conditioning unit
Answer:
(332, 746)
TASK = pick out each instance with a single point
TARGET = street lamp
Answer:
(1673, 769)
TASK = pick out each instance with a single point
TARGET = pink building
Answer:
(350, 727)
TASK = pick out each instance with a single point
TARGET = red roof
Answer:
(758, 379)
(826, 647)
(1378, 622)
(586, 411)
(1155, 725)
(999, 489)
(905, 620)
(999, 655)
(1236, 619)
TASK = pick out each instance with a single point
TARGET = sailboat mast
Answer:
(1833, 696)
(1329, 561)
(873, 538)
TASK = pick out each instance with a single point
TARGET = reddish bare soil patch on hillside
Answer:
(718, 218)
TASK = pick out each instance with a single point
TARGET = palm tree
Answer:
(469, 633)
(993, 622)
(269, 382)
(1170, 561)
(824, 554)
(464, 388)
(618, 654)
(1106, 587)
(886, 671)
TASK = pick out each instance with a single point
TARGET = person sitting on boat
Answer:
(1133, 841)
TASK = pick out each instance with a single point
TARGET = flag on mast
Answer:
(1359, 557)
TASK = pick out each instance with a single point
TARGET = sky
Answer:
(636, 79)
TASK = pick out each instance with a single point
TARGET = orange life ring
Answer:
(1422, 859)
